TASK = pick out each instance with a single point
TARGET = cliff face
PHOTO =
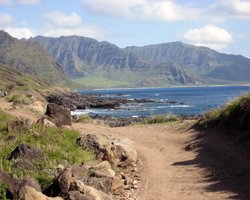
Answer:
(153, 65)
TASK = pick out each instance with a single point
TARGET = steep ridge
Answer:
(30, 58)
(164, 64)
(84, 57)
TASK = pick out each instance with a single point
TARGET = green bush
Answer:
(19, 100)
(84, 119)
(235, 112)
(158, 119)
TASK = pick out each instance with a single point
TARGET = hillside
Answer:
(24, 90)
(30, 58)
(103, 64)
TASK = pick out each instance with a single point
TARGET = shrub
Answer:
(158, 119)
(234, 113)
(19, 100)
(84, 119)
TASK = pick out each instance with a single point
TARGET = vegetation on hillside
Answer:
(29, 58)
(57, 144)
(23, 89)
(235, 113)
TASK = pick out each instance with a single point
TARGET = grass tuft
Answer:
(159, 119)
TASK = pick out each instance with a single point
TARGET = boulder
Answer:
(24, 151)
(117, 151)
(19, 125)
(103, 184)
(58, 115)
(24, 155)
(103, 170)
(32, 194)
(45, 122)
(124, 149)
(61, 185)
(16, 188)
(10, 183)
(30, 182)
(79, 172)
(117, 186)
(86, 192)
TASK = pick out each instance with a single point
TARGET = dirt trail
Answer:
(20, 112)
(161, 148)
(171, 172)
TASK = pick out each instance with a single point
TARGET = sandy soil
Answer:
(171, 172)
(19, 112)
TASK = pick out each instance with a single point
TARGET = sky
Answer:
(223, 25)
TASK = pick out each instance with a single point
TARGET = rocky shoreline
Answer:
(75, 101)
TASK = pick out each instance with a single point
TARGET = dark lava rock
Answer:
(59, 115)
(61, 185)
(118, 122)
(76, 101)
(24, 151)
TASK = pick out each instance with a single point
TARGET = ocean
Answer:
(178, 101)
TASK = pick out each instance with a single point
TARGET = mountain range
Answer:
(88, 61)
(95, 64)
(30, 58)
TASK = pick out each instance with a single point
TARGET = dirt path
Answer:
(171, 172)
(161, 148)
(19, 112)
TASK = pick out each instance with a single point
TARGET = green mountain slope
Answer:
(30, 58)
(176, 63)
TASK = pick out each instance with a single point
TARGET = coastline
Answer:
(169, 87)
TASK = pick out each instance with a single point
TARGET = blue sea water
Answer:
(178, 101)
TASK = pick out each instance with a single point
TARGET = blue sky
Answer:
(223, 25)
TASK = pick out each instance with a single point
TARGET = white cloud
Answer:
(29, 2)
(5, 2)
(59, 19)
(233, 8)
(86, 31)
(58, 24)
(163, 10)
(22, 2)
(209, 36)
(20, 32)
(5, 19)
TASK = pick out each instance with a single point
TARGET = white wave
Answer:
(125, 95)
(179, 106)
(157, 94)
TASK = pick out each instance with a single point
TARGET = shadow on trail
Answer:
(224, 157)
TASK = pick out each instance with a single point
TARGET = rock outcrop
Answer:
(58, 115)
(24, 156)
(32, 194)
(75, 101)
(118, 151)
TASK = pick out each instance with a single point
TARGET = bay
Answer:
(178, 101)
